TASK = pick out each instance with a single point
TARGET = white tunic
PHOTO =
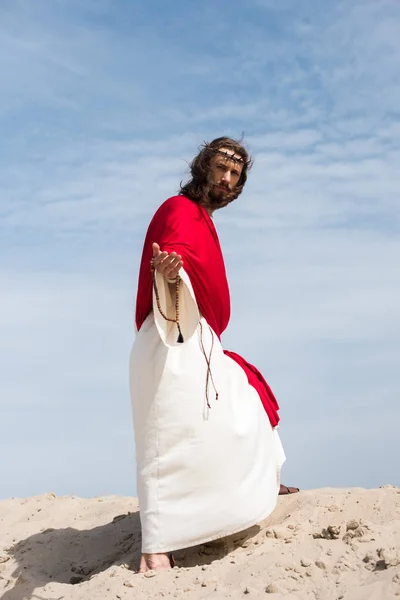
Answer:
(202, 473)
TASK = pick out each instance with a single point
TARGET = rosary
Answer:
(180, 339)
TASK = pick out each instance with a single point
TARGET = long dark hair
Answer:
(198, 187)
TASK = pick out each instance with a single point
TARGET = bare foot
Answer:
(157, 562)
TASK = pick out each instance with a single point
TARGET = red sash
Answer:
(185, 227)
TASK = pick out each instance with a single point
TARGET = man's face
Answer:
(224, 173)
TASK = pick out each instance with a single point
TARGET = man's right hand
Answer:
(166, 264)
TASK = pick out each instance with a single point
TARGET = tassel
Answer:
(180, 339)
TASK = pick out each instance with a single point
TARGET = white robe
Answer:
(202, 473)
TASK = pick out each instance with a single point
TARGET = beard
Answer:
(219, 197)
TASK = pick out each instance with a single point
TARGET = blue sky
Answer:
(102, 105)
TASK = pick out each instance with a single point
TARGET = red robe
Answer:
(185, 227)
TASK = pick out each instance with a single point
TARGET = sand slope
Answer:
(327, 544)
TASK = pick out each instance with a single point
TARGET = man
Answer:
(207, 448)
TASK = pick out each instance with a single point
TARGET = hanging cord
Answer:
(180, 339)
(208, 361)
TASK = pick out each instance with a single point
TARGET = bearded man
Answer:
(207, 448)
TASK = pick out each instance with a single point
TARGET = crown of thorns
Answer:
(225, 153)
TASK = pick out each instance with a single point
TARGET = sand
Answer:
(327, 544)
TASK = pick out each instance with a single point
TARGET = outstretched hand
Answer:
(166, 264)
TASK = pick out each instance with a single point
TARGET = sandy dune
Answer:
(325, 544)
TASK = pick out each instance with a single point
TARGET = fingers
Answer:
(159, 258)
(172, 269)
(165, 259)
(170, 266)
(166, 264)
